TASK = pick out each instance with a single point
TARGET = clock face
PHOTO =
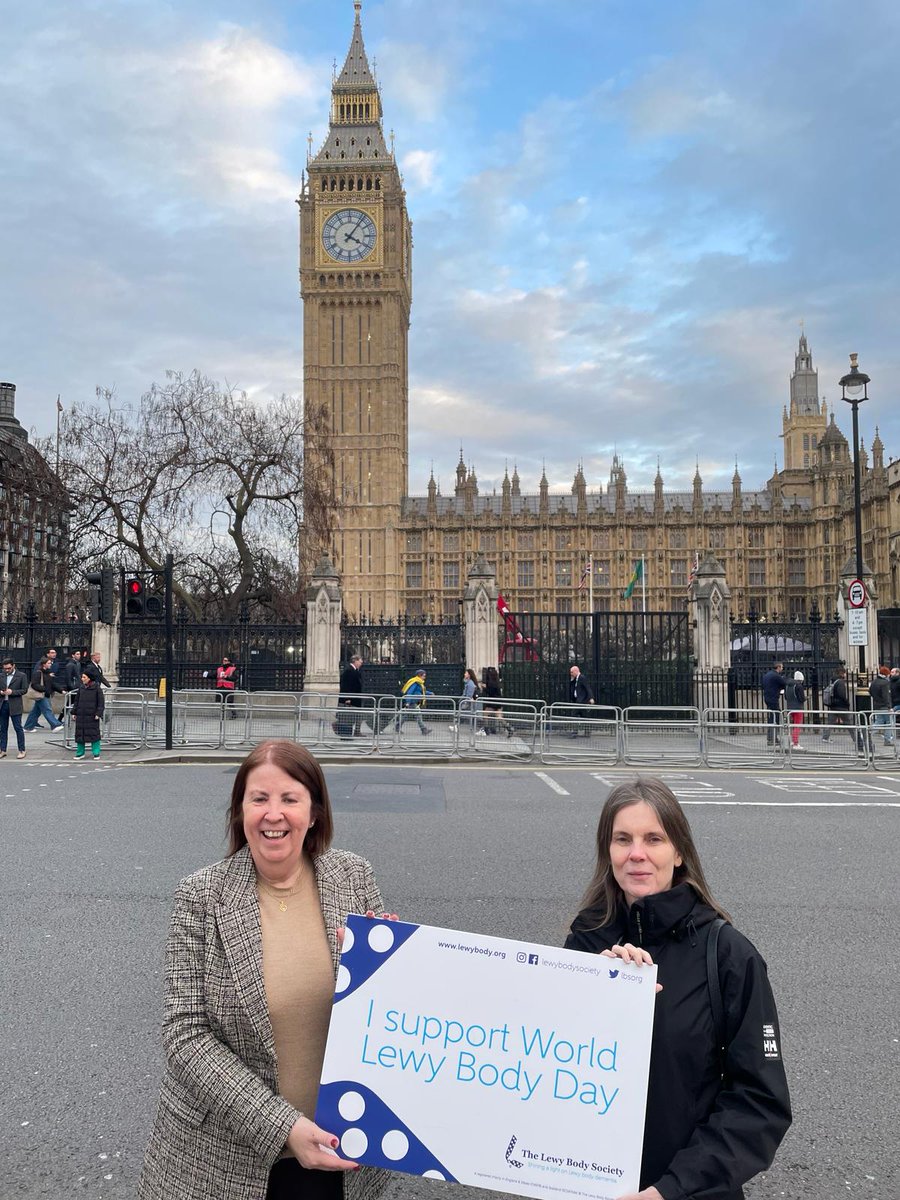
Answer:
(349, 236)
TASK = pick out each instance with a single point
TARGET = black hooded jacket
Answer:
(704, 1137)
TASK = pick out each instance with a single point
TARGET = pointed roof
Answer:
(356, 73)
(355, 133)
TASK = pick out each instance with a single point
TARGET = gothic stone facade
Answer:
(34, 522)
(784, 546)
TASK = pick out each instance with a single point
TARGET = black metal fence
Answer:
(28, 636)
(393, 649)
(270, 658)
(628, 658)
(810, 646)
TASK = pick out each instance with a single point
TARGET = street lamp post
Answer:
(854, 390)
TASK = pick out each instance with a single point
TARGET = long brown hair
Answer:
(603, 893)
(297, 762)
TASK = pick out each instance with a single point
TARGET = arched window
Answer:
(341, 186)
(350, 183)
(368, 183)
(377, 184)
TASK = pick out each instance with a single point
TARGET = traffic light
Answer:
(134, 597)
(103, 597)
(94, 581)
(142, 597)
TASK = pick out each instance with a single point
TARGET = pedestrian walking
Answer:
(94, 670)
(492, 708)
(412, 700)
(717, 1101)
(580, 693)
(795, 700)
(69, 672)
(51, 657)
(349, 714)
(468, 701)
(14, 686)
(837, 701)
(251, 961)
(882, 713)
(894, 681)
(43, 685)
(773, 685)
(88, 707)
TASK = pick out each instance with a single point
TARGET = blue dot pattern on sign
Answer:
(378, 1121)
(361, 961)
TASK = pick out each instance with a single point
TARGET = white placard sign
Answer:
(857, 627)
(488, 1062)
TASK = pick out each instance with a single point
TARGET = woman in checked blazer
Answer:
(250, 964)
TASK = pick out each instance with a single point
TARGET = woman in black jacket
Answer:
(717, 1102)
(88, 706)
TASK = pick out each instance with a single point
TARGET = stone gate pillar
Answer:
(710, 607)
(323, 629)
(105, 642)
(480, 618)
(711, 618)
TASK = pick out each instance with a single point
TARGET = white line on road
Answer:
(551, 783)
(800, 803)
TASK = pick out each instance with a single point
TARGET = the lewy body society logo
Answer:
(546, 1160)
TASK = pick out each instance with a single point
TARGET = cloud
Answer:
(419, 168)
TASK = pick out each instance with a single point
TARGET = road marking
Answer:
(684, 786)
(836, 785)
(551, 783)
(799, 803)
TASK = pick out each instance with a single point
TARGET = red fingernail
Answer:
(334, 1143)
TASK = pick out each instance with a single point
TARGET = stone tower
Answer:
(356, 285)
(804, 423)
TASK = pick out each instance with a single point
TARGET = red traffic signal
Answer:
(134, 597)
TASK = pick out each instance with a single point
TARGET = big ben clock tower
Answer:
(355, 281)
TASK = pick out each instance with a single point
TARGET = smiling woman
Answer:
(717, 1100)
(250, 965)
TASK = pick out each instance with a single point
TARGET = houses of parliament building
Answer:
(783, 546)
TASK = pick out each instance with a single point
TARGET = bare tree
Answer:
(206, 474)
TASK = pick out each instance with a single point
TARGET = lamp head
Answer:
(853, 384)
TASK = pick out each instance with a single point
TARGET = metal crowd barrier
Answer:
(580, 733)
(640, 736)
(509, 728)
(652, 735)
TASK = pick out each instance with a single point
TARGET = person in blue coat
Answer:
(773, 685)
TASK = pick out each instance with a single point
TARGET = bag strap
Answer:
(714, 987)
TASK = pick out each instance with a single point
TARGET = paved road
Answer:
(89, 858)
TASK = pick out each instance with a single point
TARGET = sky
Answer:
(622, 211)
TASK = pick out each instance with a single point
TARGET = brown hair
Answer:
(603, 893)
(297, 762)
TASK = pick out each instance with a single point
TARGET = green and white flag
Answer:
(636, 576)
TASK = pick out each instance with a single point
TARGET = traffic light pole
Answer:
(170, 651)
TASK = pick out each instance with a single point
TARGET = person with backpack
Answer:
(882, 714)
(412, 701)
(836, 700)
(717, 1100)
(795, 699)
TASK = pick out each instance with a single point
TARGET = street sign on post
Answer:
(857, 627)
(857, 594)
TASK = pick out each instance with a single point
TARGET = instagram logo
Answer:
(521, 957)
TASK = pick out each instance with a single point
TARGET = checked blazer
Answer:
(221, 1125)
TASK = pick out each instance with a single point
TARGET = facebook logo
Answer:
(533, 960)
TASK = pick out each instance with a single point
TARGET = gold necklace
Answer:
(279, 894)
